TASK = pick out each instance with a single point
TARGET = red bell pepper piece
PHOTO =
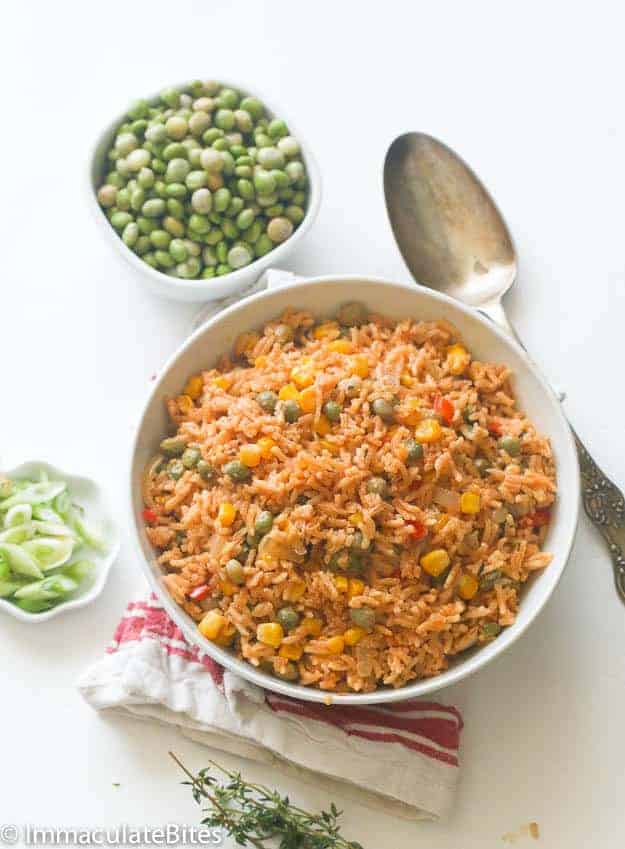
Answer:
(149, 515)
(418, 531)
(444, 408)
(200, 593)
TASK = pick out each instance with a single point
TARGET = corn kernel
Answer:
(211, 624)
(312, 626)
(288, 393)
(326, 330)
(356, 519)
(245, 343)
(294, 590)
(467, 586)
(185, 404)
(250, 455)
(441, 522)
(410, 412)
(458, 358)
(291, 651)
(323, 426)
(308, 399)
(226, 514)
(333, 645)
(329, 446)
(435, 562)
(359, 366)
(302, 376)
(223, 382)
(265, 443)
(356, 587)
(341, 583)
(270, 633)
(227, 587)
(406, 380)
(226, 635)
(194, 387)
(470, 502)
(261, 361)
(429, 430)
(341, 346)
(353, 635)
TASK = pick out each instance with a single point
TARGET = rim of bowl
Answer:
(421, 687)
(105, 562)
(235, 279)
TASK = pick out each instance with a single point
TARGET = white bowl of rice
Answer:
(389, 516)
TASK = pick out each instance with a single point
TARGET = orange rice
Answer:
(334, 546)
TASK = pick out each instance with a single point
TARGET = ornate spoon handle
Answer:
(605, 507)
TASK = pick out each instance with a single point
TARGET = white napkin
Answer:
(401, 758)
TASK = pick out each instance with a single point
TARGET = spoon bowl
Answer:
(449, 231)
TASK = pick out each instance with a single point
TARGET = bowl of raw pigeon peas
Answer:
(202, 187)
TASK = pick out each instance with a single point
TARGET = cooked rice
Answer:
(313, 484)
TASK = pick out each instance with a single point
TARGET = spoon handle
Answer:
(603, 501)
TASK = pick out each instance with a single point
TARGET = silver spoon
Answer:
(454, 239)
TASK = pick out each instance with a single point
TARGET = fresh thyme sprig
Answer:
(254, 814)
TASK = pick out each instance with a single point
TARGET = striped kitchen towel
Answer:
(400, 757)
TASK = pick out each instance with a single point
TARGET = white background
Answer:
(531, 95)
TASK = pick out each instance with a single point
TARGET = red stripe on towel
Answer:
(429, 728)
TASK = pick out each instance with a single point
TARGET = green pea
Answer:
(292, 411)
(139, 127)
(239, 152)
(221, 251)
(234, 571)
(160, 238)
(332, 411)
(263, 245)
(208, 257)
(193, 248)
(224, 119)
(263, 523)
(130, 234)
(178, 250)
(482, 465)
(173, 446)
(178, 191)
(234, 207)
(490, 629)
(511, 445)
(139, 109)
(253, 107)
(288, 617)
(236, 471)
(230, 229)
(383, 409)
(245, 219)
(378, 486)
(363, 617)
(115, 179)
(271, 158)
(214, 236)
(207, 273)
(262, 140)
(177, 170)
(264, 183)
(221, 200)
(288, 672)
(171, 97)
(228, 98)
(199, 223)
(137, 199)
(164, 259)
(120, 219)
(153, 208)
(123, 199)
(352, 314)
(239, 256)
(414, 451)
(158, 166)
(156, 133)
(295, 214)
(146, 225)
(267, 400)
(173, 226)
(191, 457)
(222, 268)
(212, 135)
(189, 268)
(488, 581)
(228, 161)
(253, 232)
(205, 469)
(160, 189)
(142, 245)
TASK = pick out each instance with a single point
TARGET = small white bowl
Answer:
(89, 495)
(199, 290)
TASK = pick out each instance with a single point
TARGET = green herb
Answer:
(254, 815)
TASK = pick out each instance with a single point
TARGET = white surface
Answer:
(531, 95)
(323, 296)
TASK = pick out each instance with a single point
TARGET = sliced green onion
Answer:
(49, 552)
(18, 515)
(34, 493)
(21, 562)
